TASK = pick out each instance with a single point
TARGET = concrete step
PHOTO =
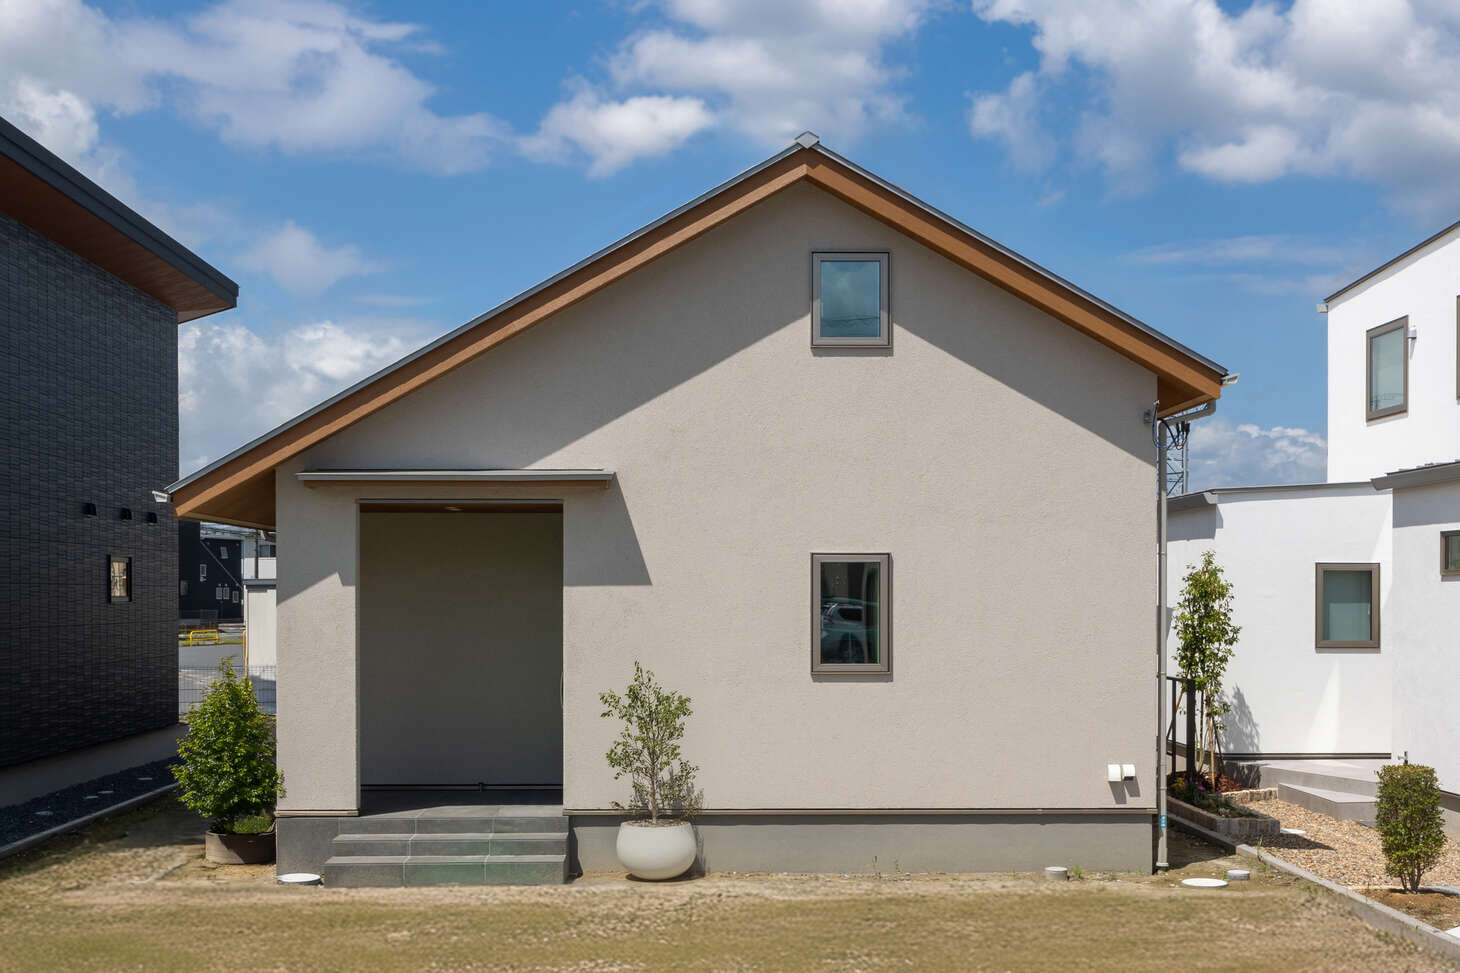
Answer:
(376, 871)
(1336, 804)
(465, 820)
(451, 843)
(1328, 775)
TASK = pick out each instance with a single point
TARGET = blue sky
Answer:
(374, 175)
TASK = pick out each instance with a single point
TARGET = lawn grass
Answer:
(134, 893)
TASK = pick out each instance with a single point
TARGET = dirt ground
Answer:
(134, 893)
(1436, 908)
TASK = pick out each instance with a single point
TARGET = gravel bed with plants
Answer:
(1345, 852)
(19, 821)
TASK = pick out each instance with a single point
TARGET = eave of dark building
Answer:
(41, 191)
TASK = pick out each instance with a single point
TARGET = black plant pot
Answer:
(239, 849)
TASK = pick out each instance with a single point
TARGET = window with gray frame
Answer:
(851, 613)
(1347, 614)
(1387, 361)
(1450, 553)
(849, 300)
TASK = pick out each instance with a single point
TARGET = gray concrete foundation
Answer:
(870, 843)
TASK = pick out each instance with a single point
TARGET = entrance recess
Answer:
(461, 647)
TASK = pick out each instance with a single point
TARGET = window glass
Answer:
(1452, 551)
(851, 298)
(1386, 369)
(850, 612)
(1347, 612)
(119, 579)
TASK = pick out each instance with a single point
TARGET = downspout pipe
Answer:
(1161, 435)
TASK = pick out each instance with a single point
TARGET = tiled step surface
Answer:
(469, 845)
(1336, 804)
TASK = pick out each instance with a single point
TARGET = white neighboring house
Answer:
(1348, 592)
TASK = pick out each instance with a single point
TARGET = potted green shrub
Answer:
(228, 772)
(658, 842)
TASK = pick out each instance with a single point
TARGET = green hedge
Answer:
(1409, 821)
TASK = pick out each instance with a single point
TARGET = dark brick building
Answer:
(210, 573)
(91, 296)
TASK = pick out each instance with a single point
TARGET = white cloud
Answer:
(1012, 117)
(1263, 248)
(614, 133)
(1323, 87)
(1223, 454)
(766, 69)
(302, 265)
(235, 384)
(297, 76)
(1261, 263)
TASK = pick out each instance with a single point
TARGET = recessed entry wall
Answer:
(461, 648)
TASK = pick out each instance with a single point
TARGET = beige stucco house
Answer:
(876, 492)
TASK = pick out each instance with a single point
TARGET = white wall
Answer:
(1424, 287)
(260, 619)
(1020, 588)
(1425, 632)
(1289, 696)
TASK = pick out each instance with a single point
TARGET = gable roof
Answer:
(1390, 263)
(41, 191)
(239, 488)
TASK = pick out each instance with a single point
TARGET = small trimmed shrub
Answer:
(1409, 822)
(647, 748)
(228, 773)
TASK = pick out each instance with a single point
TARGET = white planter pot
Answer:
(656, 851)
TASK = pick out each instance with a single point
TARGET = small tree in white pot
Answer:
(659, 842)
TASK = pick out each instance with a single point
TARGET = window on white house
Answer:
(1347, 615)
(1388, 364)
(851, 610)
(849, 300)
(1449, 553)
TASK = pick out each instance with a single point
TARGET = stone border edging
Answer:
(1377, 914)
(15, 847)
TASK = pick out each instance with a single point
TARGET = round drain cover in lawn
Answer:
(299, 878)
(1204, 883)
(1238, 874)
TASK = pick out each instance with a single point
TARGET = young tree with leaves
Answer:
(1205, 640)
(228, 771)
(647, 748)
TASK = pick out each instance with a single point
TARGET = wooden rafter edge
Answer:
(1182, 382)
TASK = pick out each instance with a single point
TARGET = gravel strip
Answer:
(1345, 852)
(42, 813)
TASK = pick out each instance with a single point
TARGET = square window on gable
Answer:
(849, 300)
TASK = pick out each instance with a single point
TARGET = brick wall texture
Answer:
(88, 389)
